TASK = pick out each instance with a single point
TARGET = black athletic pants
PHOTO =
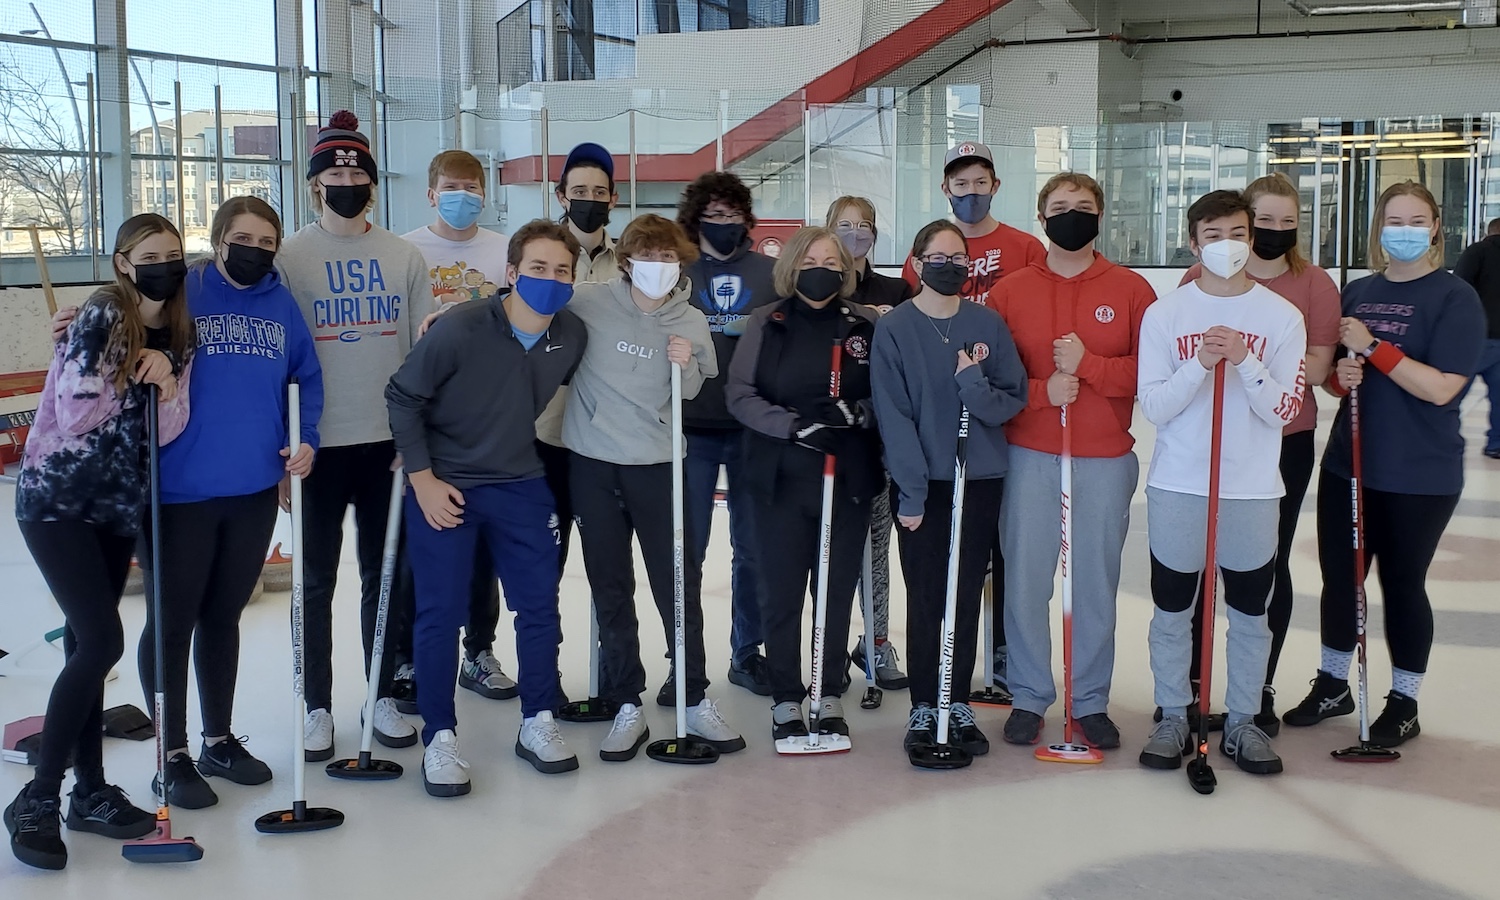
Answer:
(788, 528)
(924, 565)
(484, 602)
(1297, 459)
(85, 569)
(358, 475)
(612, 502)
(1401, 536)
(212, 555)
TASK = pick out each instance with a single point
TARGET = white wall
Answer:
(1284, 80)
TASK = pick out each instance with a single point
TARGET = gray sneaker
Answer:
(1250, 749)
(1167, 745)
(888, 674)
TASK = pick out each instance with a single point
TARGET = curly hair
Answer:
(708, 187)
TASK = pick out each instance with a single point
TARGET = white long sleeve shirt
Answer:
(1261, 394)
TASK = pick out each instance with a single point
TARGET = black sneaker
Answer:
(1397, 723)
(108, 811)
(667, 696)
(1267, 720)
(404, 689)
(754, 675)
(36, 831)
(963, 730)
(185, 786)
(1329, 697)
(787, 721)
(831, 717)
(1492, 452)
(1023, 727)
(921, 727)
(1099, 732)
(229, 759)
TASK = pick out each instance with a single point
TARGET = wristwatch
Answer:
(1370, 350)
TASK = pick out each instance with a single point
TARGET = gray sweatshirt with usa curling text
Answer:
(917, 395)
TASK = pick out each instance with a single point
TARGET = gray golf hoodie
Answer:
(621, 403)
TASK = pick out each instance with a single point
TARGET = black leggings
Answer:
(85, 568)
(212, 555)
(788, 525)
(1297, 458)
(924, 565)
(1401, 536)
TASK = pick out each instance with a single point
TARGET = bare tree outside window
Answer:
(41, 166)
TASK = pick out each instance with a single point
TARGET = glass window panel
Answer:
(244, 31)
(64, 20)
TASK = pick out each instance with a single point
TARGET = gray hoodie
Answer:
(621, 403)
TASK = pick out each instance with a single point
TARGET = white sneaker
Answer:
(626, 737)
(541, 744)
(317, 736)
(482, 675)
(391, 729)
(444, 772)
(706, 723)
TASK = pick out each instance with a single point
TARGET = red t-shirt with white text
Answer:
(991, 257)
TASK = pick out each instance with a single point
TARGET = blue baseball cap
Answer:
(593, 154)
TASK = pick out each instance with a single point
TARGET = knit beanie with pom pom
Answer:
(340, 144)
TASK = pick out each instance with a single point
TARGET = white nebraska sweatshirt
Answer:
(1261, 394)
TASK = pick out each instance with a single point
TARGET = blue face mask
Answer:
(971, 208)
(545, 296)
(1405, 243)
(459, 209)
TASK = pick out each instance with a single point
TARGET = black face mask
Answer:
(160, 281)
(1072, 230)
(947, 279)
(588, 216)
(247, 265)
(349, 201)
(724, 238)
(819, 284)
(1269, 243)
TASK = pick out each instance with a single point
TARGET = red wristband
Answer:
(1386, 356)
(1334, 388)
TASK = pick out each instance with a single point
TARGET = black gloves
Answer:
(834, 412)
(817, 436)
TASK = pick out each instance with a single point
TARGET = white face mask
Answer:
(1225, 258)
(654, 279)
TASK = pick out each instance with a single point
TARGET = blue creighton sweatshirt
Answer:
(251, 343)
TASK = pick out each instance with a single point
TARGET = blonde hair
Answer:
(1277, 185)
(865, 207)
(784, 276)
(1378, 259)
(129, 335)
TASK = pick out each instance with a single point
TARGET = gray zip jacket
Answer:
(621, 403)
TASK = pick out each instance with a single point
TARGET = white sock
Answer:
(1408, 683)
(1337, 662)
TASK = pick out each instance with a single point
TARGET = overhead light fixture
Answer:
(1344, 8)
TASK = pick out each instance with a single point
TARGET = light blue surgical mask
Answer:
(460, 209)
(1406, 243)
(545, 296)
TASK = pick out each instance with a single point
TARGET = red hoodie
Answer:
(1104, 306)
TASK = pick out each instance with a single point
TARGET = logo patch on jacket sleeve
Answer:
(857, 346)
(981, 352)
(1104, 315)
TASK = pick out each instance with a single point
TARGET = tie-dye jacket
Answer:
(85, 458)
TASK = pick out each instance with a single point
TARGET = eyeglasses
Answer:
(942, 259)
(846, 225)
(724, 218)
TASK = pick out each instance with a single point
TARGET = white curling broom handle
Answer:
(820, 603)
(1065, 479)
(294, 416)
(383, 610)
(679, 585)
(950, 602)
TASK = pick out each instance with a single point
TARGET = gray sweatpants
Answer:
(1031, 537)
(1177, 528)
